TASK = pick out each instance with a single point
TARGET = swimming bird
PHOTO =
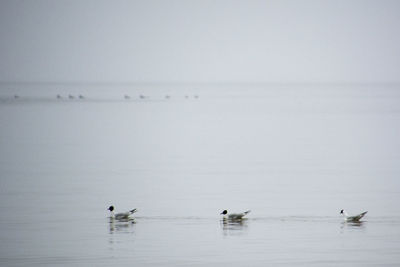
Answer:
(122, 215)
(233, 216)
(355, 218)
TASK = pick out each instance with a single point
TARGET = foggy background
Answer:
(199, 41)
(182, 109)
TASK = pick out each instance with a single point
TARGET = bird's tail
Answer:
(246, 212)
(133, 211)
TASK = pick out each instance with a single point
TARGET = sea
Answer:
(293, 154)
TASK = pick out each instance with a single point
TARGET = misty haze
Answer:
(199, 133)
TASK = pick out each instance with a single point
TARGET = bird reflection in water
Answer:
(233, 227)
(353, 225)
(122, 225)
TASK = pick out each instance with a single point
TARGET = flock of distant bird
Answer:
(232, 217)
(127, 97)
(71, 97)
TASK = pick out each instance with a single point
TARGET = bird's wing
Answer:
(361, 215)
(237, 216)
(122, 215)
(357, 217)
(132, 211)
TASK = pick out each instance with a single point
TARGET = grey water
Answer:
(295, 155)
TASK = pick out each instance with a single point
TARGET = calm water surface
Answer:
(294, 155)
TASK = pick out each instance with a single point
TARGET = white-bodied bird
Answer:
(355, 218)
(234, 216)
(122, 215)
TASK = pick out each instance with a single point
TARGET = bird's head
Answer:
(111, 208)
(224, 212)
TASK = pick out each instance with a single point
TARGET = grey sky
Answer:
(200, 41)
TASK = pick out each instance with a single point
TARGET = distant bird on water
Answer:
(355, 218)
(234, 216)
(122, 215)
